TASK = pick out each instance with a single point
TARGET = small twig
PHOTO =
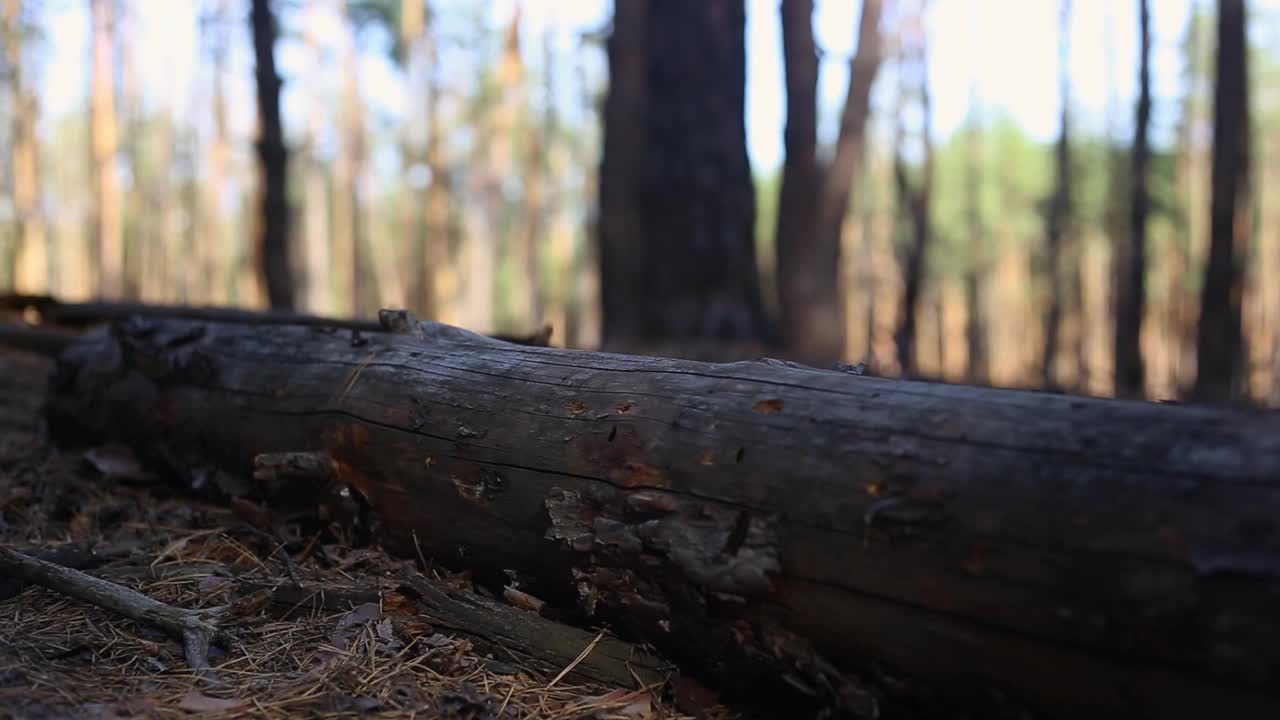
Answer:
(195, 629)
(581, 656)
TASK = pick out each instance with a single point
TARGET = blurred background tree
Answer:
(1020, 194)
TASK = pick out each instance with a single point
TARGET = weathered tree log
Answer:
(854, 536)
(54, 312)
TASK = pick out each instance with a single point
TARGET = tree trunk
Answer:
(1220, 341)
(419, 280)
(814, 199)
(978, 366)
(439, 258)
(352, 254)
(273, 243)
(536, 205)
(1131, 285)
(214, 269)
(134, 217)
(316, 238)
(915, 196)
(769, 525)
(622, 237)
(1059, 218)
(107, 234)
(677, 199)
(806, 303)
(30, 272)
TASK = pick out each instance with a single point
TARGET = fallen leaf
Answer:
(199, 702)
(576, 407)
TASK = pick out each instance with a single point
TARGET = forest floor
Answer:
(329, 657)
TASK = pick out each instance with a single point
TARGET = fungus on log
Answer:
(851, 537)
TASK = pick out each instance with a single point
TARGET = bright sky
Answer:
(1011, 46)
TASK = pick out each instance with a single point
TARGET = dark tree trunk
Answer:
(803, 297)
(1057, 225)
(1220, 341)
(916, 202)
(273, 244)
(915, 196)
(677, 200)
(814, 199)
(773, 525)
(1131, 282)
(978, 370)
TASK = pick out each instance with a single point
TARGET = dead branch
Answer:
(195, 629)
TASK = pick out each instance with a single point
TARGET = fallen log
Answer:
(852, 537)
(51, 311)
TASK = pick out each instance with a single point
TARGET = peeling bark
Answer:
(855, 539)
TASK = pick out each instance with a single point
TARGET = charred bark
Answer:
(677, 202)
(765, 523)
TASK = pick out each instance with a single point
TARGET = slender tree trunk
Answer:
(31, 262)
(1059, 219)
(108, 237)
(440, 256)
(1132, 265)
(316, 238)
(977, 333)
(815, 199)
(515, 120)
(805, 302)
(159, 262)
(212, 280)
(419, 279)
(273, 243)
(915, 195)
(677, 200)
(536, 202)
(1220, 341)
(132, 126)
(350, 259)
